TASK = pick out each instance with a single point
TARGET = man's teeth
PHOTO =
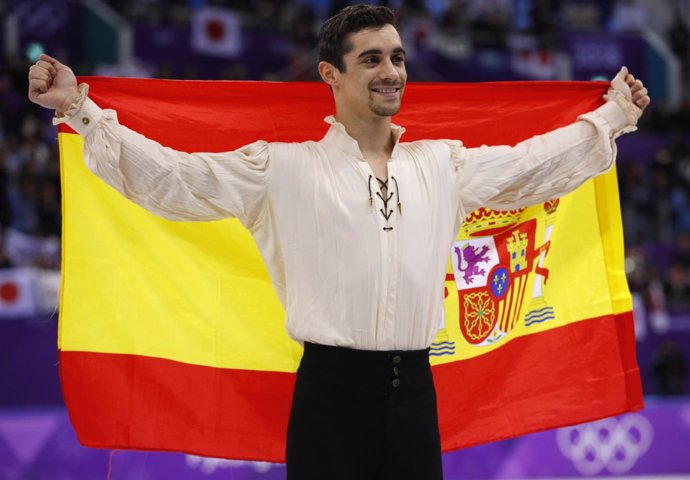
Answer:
(385, 90)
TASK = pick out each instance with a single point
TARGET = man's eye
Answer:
(371, 60)
(399, 59)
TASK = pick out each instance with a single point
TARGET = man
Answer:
(355, 231)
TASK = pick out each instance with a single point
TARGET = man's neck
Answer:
(373, 135)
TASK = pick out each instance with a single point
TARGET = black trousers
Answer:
(363, 415)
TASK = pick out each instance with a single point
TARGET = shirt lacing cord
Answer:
(385, 211)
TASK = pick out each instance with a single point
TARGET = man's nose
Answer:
(388, 70)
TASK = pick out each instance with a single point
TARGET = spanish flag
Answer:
(171, 337)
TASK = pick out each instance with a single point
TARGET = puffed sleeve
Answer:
(540, 168)
(172, 184)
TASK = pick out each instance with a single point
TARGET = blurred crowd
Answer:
(30, 211)
(654, 182)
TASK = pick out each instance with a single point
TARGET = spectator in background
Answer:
(22, 204)
(669, 369)
(4, 199)
(583, 15)
(5, 262)
(33, 151)
(636, 201)
(680, 204)
(490, 23)
(677, 288)
(452, 38)
(629, 16)
(680, 117)
(679, 41)
(682, 249)
(662, 179)
(544, 22)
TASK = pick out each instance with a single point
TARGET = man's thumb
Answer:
(618, 82)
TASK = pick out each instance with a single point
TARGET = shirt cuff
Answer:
(615, 118)
(84, 120)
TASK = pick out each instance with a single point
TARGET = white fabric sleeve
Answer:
(540, 168)
(172, 184)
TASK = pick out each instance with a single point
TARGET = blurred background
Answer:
(446, 40)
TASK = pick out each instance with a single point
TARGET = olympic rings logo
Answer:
(209, 465)
(614, 444)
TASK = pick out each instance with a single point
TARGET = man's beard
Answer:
(384, 110)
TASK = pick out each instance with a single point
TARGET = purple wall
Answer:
(29, 363)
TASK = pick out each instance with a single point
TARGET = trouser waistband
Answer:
(355, 357)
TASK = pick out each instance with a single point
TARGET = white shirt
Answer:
(347, 275)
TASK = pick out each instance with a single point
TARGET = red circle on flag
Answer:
(215, 29)
(9, 292)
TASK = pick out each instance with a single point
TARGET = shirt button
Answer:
(396, 382)
(85, 120)
(396, 360)
(396, 372)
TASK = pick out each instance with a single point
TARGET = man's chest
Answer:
(336, 195)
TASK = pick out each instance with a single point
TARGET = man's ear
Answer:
(329, 73)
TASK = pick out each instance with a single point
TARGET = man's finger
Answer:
(643, 102)
(37, 87)
(640, 95)
(636, 86)
(53, 61)
(35, 70)
(40, 73)
(46, 66)
(620, 76)
(618, 82)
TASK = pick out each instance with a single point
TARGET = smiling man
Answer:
(366, 71)
(355, 230)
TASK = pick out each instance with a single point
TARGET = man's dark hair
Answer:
(352, 19)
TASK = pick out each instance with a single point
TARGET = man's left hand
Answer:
(631, 88)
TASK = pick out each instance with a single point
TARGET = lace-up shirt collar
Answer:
(338, 137)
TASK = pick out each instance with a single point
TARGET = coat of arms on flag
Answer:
(497, 262)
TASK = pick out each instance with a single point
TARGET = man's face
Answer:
(375, 75)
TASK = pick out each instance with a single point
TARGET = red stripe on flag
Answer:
(223, 115)
(147, 403)
(137, 402)
(588, 369)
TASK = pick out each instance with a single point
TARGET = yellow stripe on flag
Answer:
(198, 311)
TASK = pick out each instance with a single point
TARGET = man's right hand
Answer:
(52, 84)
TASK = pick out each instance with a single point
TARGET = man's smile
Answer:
(386, 91)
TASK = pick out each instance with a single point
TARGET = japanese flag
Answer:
(216, 32)
(16, 293)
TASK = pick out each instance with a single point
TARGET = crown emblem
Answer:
(485, 222)
(551, 206)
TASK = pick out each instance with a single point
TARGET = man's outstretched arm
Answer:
(169, 183)
(550, 165)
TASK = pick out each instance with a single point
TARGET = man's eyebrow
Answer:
(373, 51)
(376, 51)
